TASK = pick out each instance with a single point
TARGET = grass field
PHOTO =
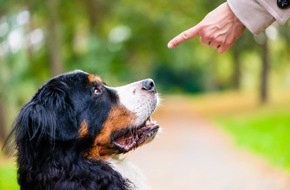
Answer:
(266, 133)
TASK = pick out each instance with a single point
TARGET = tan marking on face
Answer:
(94, 78)
(118, 119)
(83, 131)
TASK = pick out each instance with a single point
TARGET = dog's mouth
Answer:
(131, 138)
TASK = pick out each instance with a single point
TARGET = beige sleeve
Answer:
(257, 15)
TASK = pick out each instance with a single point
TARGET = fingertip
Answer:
(170, 45)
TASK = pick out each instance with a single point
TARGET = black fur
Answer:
(49, 152)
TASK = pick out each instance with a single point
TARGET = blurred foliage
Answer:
(123, 41)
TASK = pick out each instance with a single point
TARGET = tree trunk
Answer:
(2, 122)
(284, 31)
(237, 70)
(264, 72)
(95, 10)
(53, 37)
(92, 10)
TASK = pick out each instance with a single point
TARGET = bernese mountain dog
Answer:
(69, 135)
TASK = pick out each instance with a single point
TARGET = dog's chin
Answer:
(134, 137)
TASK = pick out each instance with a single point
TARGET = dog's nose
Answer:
(148, 85)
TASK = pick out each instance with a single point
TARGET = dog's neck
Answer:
(129, 171)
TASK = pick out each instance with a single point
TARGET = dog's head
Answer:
(79, 110)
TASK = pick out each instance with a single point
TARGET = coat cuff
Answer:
(252, 14)
(281, 15)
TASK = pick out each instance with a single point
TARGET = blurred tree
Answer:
(3, 133)
(237, 68)
(122, 41)
(245, 44)
(285, 34)
(53, 37)
(264, 70)
(261, 47)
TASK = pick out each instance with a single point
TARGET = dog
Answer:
(70, 134)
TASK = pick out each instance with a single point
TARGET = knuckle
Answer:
(228, 44)
(185, 35)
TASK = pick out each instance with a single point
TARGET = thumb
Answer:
(184, 36)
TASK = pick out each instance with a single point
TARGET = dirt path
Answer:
(191, 154)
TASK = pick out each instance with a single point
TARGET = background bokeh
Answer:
(125, 40)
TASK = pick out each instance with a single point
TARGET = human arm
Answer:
(235, 15)
(257, 15)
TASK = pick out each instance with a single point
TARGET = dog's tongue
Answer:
(136, 137)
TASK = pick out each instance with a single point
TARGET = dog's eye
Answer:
(97, 90)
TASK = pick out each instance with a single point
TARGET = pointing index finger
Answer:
(185, 35)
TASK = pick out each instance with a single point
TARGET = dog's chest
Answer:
(130, 172)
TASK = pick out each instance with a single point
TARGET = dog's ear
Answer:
(48, 116)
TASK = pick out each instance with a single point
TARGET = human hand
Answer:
(219, 29)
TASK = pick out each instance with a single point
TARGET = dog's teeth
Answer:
(147, 122)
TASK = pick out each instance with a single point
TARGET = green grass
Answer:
(264, 130)
(8, 177)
